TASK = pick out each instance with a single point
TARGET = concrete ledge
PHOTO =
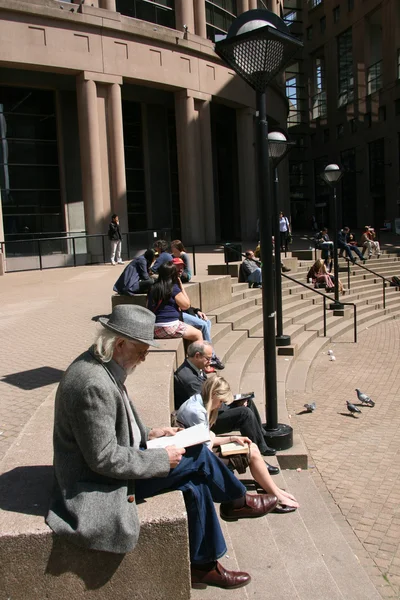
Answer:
(232, 270)
(306, 254)
(175, 345)
(35, 564)
(138, 299)
(290, 263)
(214, 291)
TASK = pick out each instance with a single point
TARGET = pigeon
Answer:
(310, 407)
(353, 409)
(364, 398)
(330, 352)
(331, 357)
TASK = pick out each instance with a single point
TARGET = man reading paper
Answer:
(102, 464)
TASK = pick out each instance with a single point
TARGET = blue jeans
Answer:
(348, 249)
(203, 325)
(255, 277)
(204, 479)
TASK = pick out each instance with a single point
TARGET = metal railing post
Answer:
(355, 323)
(384, 293)
(73, 251)
(348, 275)
(104, 249)
(194, 259)
(324, 316)
(40, 255)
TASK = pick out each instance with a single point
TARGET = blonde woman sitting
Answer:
(318, 274)
(203, 408)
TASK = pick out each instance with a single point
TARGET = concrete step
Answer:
(241, 319)
(239, 287)
(238, 361)
(223, 313)
(219, 330)
(299, 556)
(227, 345)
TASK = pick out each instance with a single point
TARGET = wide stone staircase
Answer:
(308, 554)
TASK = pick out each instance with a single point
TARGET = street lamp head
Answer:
(257, 47)
(278, 146)
(332, 174)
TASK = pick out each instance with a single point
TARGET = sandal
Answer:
(283, 508)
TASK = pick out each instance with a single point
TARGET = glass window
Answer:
(309, 33)
(314, 3)
(345, 68)
(219, 16)
(319, 106)
(134, 166)
(322, 24)
(292, 96)
(374, 77)
(161, 12)
(340, 130)
(336, 14)
(377, 165)
(29, 174)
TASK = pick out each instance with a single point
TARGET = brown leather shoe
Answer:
(219, 577)
(256, 505)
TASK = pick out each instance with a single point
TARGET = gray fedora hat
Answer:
(132, 322)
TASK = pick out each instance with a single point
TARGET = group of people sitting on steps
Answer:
(347, 244)
(102, 464)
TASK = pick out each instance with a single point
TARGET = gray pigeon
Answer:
(310, 407)
(353, 409)
(364, 398)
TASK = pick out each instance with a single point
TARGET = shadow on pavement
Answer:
(34, 378)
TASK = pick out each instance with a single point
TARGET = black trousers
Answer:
(246, 419)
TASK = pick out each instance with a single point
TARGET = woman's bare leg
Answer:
(260, 473)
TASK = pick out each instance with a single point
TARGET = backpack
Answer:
(395, 281)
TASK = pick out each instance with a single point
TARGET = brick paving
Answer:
(358, 458)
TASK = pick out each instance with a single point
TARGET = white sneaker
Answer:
(121, 262)
(113, 262)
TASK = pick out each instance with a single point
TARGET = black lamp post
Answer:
(332, 174)
(278, 148)
(258, 47)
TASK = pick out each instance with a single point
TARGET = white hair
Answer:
(104, 344)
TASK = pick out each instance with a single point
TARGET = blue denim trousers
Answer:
(203, 325)
(204, 479)
(255, 276)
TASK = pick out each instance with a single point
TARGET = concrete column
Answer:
(242, 6)
(247, 172)
(117, 155)
(92, 188)
(108, 4)
(189, 161)
(184, 15)
(252, 4)
(206, 165)
(200, 18)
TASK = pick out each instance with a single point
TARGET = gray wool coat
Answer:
(95, 462)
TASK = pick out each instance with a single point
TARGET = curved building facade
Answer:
(123, 106)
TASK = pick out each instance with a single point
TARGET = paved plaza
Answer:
(358, 458)
(46, 321)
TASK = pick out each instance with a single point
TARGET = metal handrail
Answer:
(325, 296)
(73, 238)
(384, 279)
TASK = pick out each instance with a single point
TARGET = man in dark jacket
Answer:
(115, 237)
(161, 247)
(342, 241)
(135, 278)
(189, 379)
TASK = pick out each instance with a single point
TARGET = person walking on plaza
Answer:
(115, 237)
(102, 465)
(284, 230)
